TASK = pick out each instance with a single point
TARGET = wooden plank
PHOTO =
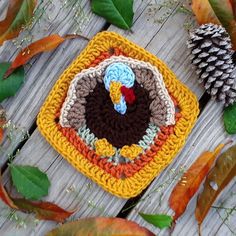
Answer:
(60, 170)
(167, 41)
(3, 9)
(9, 50)
(23, 108)
(207, 134)
(49, 158)
(62, 176)
(38, 84)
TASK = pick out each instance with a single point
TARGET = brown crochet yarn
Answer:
(105, 122)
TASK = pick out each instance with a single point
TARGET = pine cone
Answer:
(211, 51)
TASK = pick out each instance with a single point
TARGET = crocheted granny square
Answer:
(118, 114)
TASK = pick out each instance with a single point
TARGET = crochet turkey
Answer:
(118, 114)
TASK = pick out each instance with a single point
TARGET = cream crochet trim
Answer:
(99, 71)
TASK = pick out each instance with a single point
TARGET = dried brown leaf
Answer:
(191, 180)
(218, 178)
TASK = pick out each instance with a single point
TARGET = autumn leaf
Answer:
(19, 13)
(43, 210)
(224, 12)
(218, 178)
(5, 197)
(204, 12)
(217, 12)
(2, 122)
(13, 8)
(100, 226)
(43, 45)
(191, 180)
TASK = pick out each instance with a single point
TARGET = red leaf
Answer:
(101, 226)
(43, 45)
(191, 180)
(43, 210)
(5, 197)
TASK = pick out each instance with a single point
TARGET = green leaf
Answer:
(117, 12)
(160, 221)
(230, 119)
(9, 86)
(30, 181)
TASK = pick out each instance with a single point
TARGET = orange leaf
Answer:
(43, 210)
(204, 12)
(218, 178)
(42, 45)
(13, 8)
(5, 197)
(191, 180)
(101, 226)
(2, 122)
(19, 13)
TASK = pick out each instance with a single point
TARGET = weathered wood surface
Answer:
(206, 135)
(167, 41)
(46, 68)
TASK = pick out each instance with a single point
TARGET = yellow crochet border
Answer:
(129, 187)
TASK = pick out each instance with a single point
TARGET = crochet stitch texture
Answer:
(121, 148)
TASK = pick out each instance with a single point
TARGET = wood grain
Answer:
(167, 41)
(45, 69)
(206, 135)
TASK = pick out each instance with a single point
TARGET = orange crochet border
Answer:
(129, 186)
